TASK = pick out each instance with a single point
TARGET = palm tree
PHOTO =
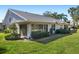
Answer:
(50, 14)
(72, 12)
(64, 17)
(56, 15)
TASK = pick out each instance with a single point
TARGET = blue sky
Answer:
(37, 9)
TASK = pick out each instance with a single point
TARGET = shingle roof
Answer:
(34, 17)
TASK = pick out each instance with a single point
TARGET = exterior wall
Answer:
(1, 27)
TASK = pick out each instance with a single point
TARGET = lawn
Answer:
(67, 44)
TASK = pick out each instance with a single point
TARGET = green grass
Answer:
(68, 44)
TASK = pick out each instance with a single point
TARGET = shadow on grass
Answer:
(51, 38)
(2, 50)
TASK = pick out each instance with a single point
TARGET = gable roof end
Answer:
(17, 14)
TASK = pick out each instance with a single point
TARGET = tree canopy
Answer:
(74, 13)
(56, 15)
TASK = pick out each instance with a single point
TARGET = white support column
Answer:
(62, 26)
(18, 28)
(28, 30)
(43, 27)
(49, 27)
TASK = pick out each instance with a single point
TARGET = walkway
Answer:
(51, 38)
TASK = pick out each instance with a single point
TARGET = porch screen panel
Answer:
(39, 27)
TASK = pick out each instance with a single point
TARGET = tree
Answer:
(47, 13)
(74, 13)
(56, 15)
(62, 17)
(71, 11)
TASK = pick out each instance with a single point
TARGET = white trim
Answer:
(18, 28)
(29, 29)
(49, 27)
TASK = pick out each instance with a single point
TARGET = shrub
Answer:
(12, 37)
(7, 31)
(62, 31)
(38, 34)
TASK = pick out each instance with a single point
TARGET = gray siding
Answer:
(12, 16)
(1, 27)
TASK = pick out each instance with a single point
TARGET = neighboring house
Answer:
(28, 22)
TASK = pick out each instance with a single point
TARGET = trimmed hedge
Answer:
(62, 31)
(12, 37)
(38, 34)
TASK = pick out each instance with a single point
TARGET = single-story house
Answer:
(27, 22)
